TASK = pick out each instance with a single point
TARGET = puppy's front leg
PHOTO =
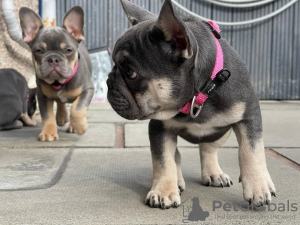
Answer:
(78, 121)
(164, 192)
(49, 131)
(257, 184)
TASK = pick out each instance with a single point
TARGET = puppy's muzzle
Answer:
(109, 84)
(118, 101)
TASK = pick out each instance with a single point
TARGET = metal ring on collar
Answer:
(194, 105)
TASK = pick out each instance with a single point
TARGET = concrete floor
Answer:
(103, 176)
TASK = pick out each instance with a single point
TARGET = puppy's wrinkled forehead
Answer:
(55, 39)
(132, 41)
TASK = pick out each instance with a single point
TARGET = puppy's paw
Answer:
(258, 188)
(28, 121)
(78, 127)
(216, 180)
(33, 124)
(49, 133)
(163, 198)
(18, 124)
(48, 136)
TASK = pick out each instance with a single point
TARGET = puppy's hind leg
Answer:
(257, 184)
(211, 173)
(61, 114)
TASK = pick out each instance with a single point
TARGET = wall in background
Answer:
(271, 49)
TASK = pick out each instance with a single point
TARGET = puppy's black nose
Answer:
(53, 60)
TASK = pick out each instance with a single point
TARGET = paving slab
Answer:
(108, 186)
(97, 135)
(279, 105)
(282, 127)
(291, 153)
(31, 169)
(105, 116)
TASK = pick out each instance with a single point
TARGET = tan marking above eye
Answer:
(126, 53)
(62, 45)
(44, 45)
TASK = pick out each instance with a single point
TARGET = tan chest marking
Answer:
(231, 116)
(61, 95)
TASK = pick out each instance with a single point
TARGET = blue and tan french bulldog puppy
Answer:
(161, 64)
(17, 101)
(63, 70)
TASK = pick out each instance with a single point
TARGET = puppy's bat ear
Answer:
(135, 13)
(30, 22)
(174, 30)
(73, 22)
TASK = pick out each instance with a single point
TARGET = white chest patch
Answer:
(231, 116)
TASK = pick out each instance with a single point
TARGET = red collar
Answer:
(218, 76)
(59, 86)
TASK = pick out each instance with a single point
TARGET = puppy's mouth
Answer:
(53, 73)
(122, 105)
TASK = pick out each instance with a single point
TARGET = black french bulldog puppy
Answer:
(17, 101)
(63, 70)
(161, 64)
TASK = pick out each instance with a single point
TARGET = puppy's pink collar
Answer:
(57, 87)
(198, 101)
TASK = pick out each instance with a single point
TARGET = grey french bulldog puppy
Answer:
(63, 70)
(17, 101)
(161, 63)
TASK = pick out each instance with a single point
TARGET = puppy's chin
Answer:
(162, 115)
(125, 108)
(128, 114)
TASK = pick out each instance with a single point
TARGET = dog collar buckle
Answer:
(194, 105)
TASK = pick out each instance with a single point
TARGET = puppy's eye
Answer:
(130, 73)
(69, 50)
(39, 51)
